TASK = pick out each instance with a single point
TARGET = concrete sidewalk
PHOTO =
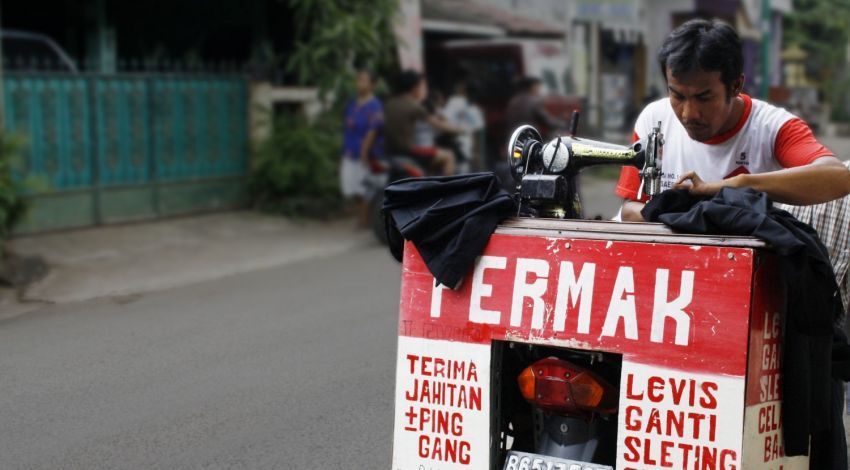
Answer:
(136, 258)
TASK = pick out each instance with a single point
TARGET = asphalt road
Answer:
(287, 368)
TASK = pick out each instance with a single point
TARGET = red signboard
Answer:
(678, 314)
(676, 306)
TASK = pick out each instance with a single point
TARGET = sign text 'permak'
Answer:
(673, 305)
(574, 294)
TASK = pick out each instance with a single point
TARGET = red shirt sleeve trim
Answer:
(629, 183)
(795, 145)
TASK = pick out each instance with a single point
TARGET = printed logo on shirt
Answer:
(742, 159)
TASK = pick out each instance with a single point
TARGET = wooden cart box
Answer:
(695, 318)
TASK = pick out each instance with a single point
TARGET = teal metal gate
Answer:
(101, 149)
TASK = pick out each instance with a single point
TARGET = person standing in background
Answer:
(461, 112)
(832, 222)
(362, 141)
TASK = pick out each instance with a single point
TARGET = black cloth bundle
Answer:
(448, 218)
(813, 304)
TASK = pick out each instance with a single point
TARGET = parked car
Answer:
(27, 51)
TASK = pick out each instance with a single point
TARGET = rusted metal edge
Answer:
(620, 231)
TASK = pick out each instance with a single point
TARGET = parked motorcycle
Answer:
(587, 345)
(559, 403)
(562, 403)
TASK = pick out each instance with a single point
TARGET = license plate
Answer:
(526, 461)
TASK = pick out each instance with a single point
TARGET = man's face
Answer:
(702, 103)
(363, 83)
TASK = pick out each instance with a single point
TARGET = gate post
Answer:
(91, 90)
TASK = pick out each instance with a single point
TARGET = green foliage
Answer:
(11, 202)
(334, 37)
(822, 28)
(294, 172)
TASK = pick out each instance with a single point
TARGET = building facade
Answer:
(613, 44)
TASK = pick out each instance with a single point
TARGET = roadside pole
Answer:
(765, 48)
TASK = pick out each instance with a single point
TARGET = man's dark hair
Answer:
(407, 81)
(703, 45)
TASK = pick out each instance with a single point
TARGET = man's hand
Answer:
(821, 181)
(630, 211)
(696, 186)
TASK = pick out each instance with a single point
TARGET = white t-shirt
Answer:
(460, 112)
(766, 138)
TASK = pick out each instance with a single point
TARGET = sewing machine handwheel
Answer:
(525, 140)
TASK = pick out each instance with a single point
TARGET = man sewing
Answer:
(716, 136)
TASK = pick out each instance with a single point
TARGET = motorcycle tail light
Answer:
(562, 387)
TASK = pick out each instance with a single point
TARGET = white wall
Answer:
(657, 16)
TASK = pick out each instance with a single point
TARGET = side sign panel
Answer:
(763, 445)
(673, 419)
(442, 404)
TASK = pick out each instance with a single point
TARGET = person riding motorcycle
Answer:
(526, 107)
(401, 114)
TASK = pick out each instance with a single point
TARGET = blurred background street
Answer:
(286, 367)
(190, 191)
